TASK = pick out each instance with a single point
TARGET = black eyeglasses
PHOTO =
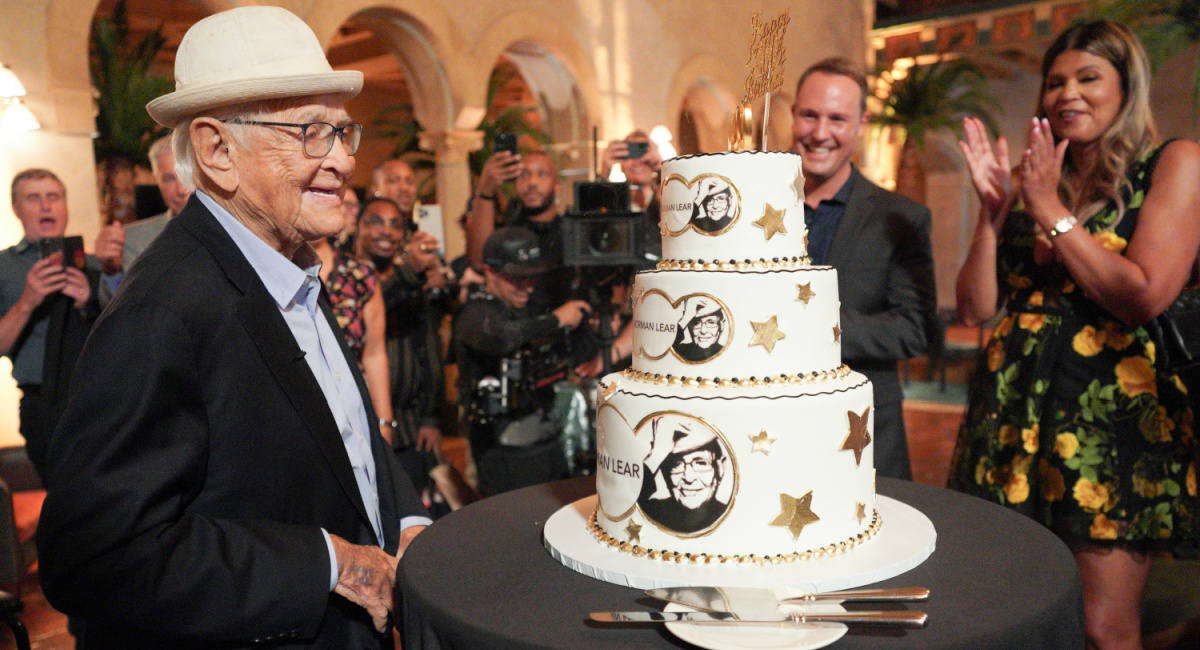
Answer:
(318, 136)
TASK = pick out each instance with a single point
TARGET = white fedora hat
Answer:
(249, 54)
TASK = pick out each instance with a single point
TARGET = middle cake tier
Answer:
(736, 324)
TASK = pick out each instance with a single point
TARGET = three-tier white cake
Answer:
(738, 435)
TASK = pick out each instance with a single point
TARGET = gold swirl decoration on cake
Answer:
(829, 550)
(813, 377)
(735, 265)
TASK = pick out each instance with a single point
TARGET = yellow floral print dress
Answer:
(1069, 420)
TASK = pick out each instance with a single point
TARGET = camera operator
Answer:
(536, 209)
(509, 357)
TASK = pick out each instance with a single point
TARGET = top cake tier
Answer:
(735, 206)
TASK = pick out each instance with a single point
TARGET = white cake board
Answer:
(904, 540)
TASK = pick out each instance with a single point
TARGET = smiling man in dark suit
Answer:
(878, 241)
(218, 479)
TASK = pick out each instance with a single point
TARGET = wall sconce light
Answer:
(14, 116)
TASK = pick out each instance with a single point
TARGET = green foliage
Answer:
(397, 123)
(510, 120)
(121, 74)
(937, 96)
(1165, 27)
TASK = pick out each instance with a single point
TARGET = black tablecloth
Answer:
(480, 578)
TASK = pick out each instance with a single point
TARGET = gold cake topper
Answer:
(766, 63)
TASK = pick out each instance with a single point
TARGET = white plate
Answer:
(736, 636)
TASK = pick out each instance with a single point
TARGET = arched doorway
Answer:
(404, 90)
(704, 117)
(542, 87)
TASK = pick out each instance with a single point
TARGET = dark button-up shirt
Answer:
(823, 220)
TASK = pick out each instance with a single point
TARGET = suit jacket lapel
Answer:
(858, 210)
(265, 325)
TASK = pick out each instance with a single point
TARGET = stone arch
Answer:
(557, 68)
(418, 35)
(701, 99)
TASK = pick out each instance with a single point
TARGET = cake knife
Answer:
(901, 618)
(752, 599)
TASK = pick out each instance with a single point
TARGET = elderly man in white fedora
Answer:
(218, 478)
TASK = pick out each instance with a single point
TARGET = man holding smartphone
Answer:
(47, 304)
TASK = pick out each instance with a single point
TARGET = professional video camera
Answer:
(601, 230)
(525, 381)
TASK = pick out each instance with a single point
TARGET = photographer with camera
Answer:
(48, 300)
(536, 209)
(509, 357)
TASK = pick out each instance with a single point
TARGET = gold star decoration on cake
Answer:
(606, 390)
(762, 442)
(804, 292)
(635, 533)
(766, 334)
(771, 222)
(859, 437)
(837, 333)
(798, 185)
(796, 514)
(860, 512)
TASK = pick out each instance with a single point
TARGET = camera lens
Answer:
(607, 239)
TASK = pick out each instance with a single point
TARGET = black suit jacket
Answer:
(884, 259)
(197, 462)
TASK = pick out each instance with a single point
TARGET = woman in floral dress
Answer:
(357, 304)
(1093, 234)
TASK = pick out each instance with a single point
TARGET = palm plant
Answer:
(931, 98)
(510, 120)
(1165, 27)
(124, 81)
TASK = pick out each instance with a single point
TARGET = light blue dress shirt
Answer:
(295, 291)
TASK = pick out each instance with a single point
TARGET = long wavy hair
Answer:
(1132, 133)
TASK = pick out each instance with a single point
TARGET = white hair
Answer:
(186, 167)
(161, 147)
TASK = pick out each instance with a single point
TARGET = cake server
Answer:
(901, 618)
(753, 599)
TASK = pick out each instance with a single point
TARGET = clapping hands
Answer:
(1040, 172)
(989, 171)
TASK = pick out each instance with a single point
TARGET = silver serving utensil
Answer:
(754, 599)
(901, 618)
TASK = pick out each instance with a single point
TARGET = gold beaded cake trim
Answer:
(735, 265)
(813, 377)
(829, 550)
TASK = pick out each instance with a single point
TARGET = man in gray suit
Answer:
(878, 241)
(117, 246)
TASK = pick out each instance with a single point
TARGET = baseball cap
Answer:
(514, 251)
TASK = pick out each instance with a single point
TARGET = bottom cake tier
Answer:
(773, 472)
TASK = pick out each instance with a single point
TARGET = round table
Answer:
(480, 578)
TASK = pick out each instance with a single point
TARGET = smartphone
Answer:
(71, 247)
(505, 142)
(637, 149)
(429, 219)
(73, 254)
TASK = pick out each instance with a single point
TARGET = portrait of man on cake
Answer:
(702, 332)
(689, 479)
(715, 207)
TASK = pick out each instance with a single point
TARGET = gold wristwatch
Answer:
(1062, 227)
